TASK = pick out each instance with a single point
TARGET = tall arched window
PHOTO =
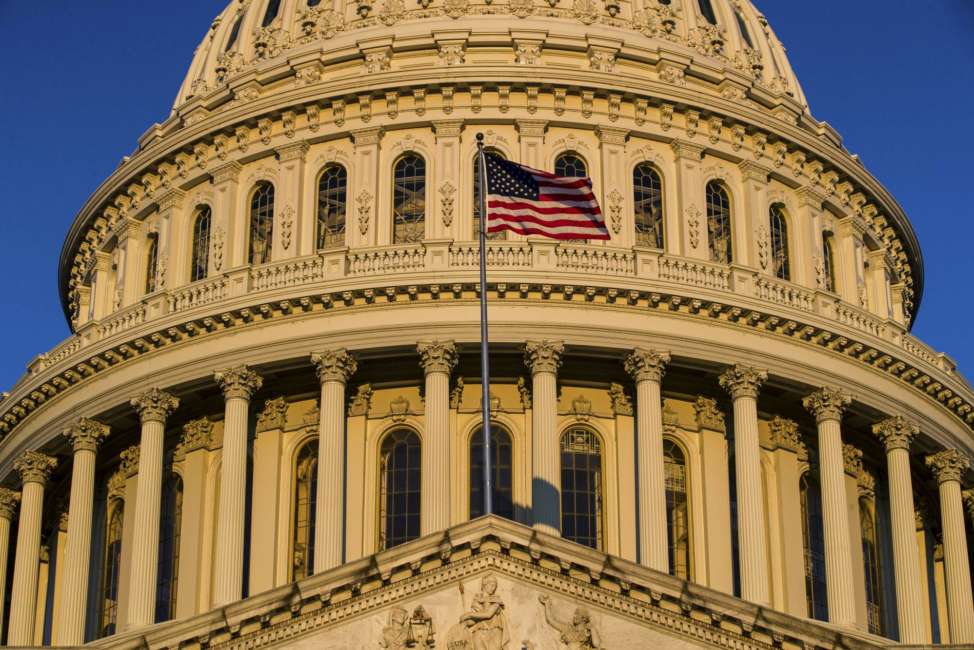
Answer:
(828, 262)
(303, 520)
(409, 199)
(234, 33)
(581, 487)
(273, 7)
(742, 26)
(719, 223)
(399, 488)
(476, 198)
(151, 262)
(780, 262)
(813, 544)
(707, 11)
(647, 200)
(677, 509)
(112, 567)
(332, 197)
(167, 580)
(502, 467)
(871, 564)
(199, 265)
(571, 164)
(261, 223)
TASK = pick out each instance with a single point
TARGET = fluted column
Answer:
(334, 368)
(948, 466)
(438, 360)
(239, 385)
(743, 384)
(896, 434)
(827, 405)
(647, 368)
(544, 358)
(34, 469)
(154, 406)
(8, 503)
(85, 436)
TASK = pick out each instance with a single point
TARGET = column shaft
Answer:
(4, 558)
(906, 560)
(435, 508)
(960, 602)
(74, 586)
(23, 599)
(145, 546)
(228, 573)
(330, 516)
(838, 554)
(546, 482)
(751, 527)
(653, 542)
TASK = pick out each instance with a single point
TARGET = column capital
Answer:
(543, 356)
(865, 485)
(531, 128)
(8, 503)
(86, 434)
(240, 382)
(437, 356)
(130, 461)
(743, 381)
(647, 365)
(197, 434)
(154, 405)
(896, 432)
(35, 467)
(968, 496)
(852, 460)
(948, 465)
(686, 149)
(226, 173)
(334, 365)
(785, 434)
(296, 151)
(827, 403)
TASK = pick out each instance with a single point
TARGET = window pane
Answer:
(707, 10)
(399, 495)
(273, 6)
(719, 223)
(409, 199)
(647, 189)
(113, 567)
(570, 164)
(151, 263)
(332, 192)
(677, 509)
(261, 223)
(581, 487)
(304, 505)
(781, 266)
(814, 547)
(501, 471)
(201, 244)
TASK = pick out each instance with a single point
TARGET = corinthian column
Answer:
(896, 434)
(948, 466)
(438, 360)
(827, 405)
(85, 436)
(647, 368)
(743, 384)
(154, 406)
(34, 469)
(8, 503)
(239, 385)
(334, 369)
(544, 358)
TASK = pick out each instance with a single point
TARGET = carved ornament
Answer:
(240, 382)
(743, 381)
(129, 465)
(621, 404)
(197, 434)
(273, 415)
(8, 503)
(334, 365)
(543, 356)
(361, 402)
(948, 465)
(647, 365)
(437, 356)
(709, 416)
(154, 405)
(785, 434)
(35, 467)
(827, 403)
(896, 432)
(86, 435)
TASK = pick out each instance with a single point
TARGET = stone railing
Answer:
(122, 321)
(287, 274)
(694, 272)
(499, 254)
(198, 294)
(595, 259)
(784, 293)
(387, 259)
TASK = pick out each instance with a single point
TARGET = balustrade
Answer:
(694, 272)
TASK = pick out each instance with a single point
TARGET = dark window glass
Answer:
(476, 199)
(167, 578)
(234, 33)
(570, 164)
(647, 200)
(780, 262)
(677, 509)
(409, 199)
(113, 568)
(261, 223)
(332, 196)
(314, 3)
(502, 468)
(814, 546)
(273, 6)
(399, 488)
(719, 223)
(151, 263)
(707, 10)
(872, 564)
(305, 499)
(828, 262)
(581, 487)
(201, 244)
(741, 25)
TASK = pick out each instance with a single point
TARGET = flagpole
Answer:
(484, 360)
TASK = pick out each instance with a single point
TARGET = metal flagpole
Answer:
(484, 361)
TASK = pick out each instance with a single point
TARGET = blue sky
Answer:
(83, 80)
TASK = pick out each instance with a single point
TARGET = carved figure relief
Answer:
(615, 210)
(448, 194)
(287, 226)
(576, 634)
(693, 223)
(403, 631)
(364, 200)
(484, 625)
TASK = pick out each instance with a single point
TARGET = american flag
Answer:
(532, 202)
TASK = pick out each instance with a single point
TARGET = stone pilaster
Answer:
(362, 223)
(439, 358)
(196, 438)
(543, 358)
(8, 504)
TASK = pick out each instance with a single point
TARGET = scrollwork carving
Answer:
(896, 432)
(543, 356)
(827, 403)
(8, 503)
(86, 435)
(743, 381)
(273, 415)
(647, 365)
(154, 405)
(35, 467)
(239, 382)
(437, 356)
(948, 465)
(447, 197)
(334, 365)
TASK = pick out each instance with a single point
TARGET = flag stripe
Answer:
(546, 207)
(547, 221)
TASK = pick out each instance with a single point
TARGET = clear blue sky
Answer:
(83, 80)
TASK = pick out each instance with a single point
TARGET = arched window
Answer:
(741, 25)
(314, 3)
(719, 223)
(167, 580)
(303, 520)
(828, 262)
(780, 262)
(677, 509)
(571, 164)
(707, 10)
(112, 567)
(871, 564)
(151, 262)
(261, 223)
(647, 200)
(399, 488)
(813, 544)
(409, 199)
(502, 467)
(332, 196)
(581, 487)
(273, 6)
(234, 33)
(199, 265)
(476, 198)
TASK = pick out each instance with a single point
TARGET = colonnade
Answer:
(438, 360)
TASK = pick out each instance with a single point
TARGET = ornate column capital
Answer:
(647, 365)
(948, 465)
(852, 460)
(130, 461)
(968, 496)
(197, 434)
(86, 435)
(709, 415)
(827, 403)
(784, 433)
(543, 356)
(866, 485)
(154, 405)
(35, 467)
(437, 356)
(334, 365)
(8, 503)
(240, 381)
(742, 381)
(896, 432)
